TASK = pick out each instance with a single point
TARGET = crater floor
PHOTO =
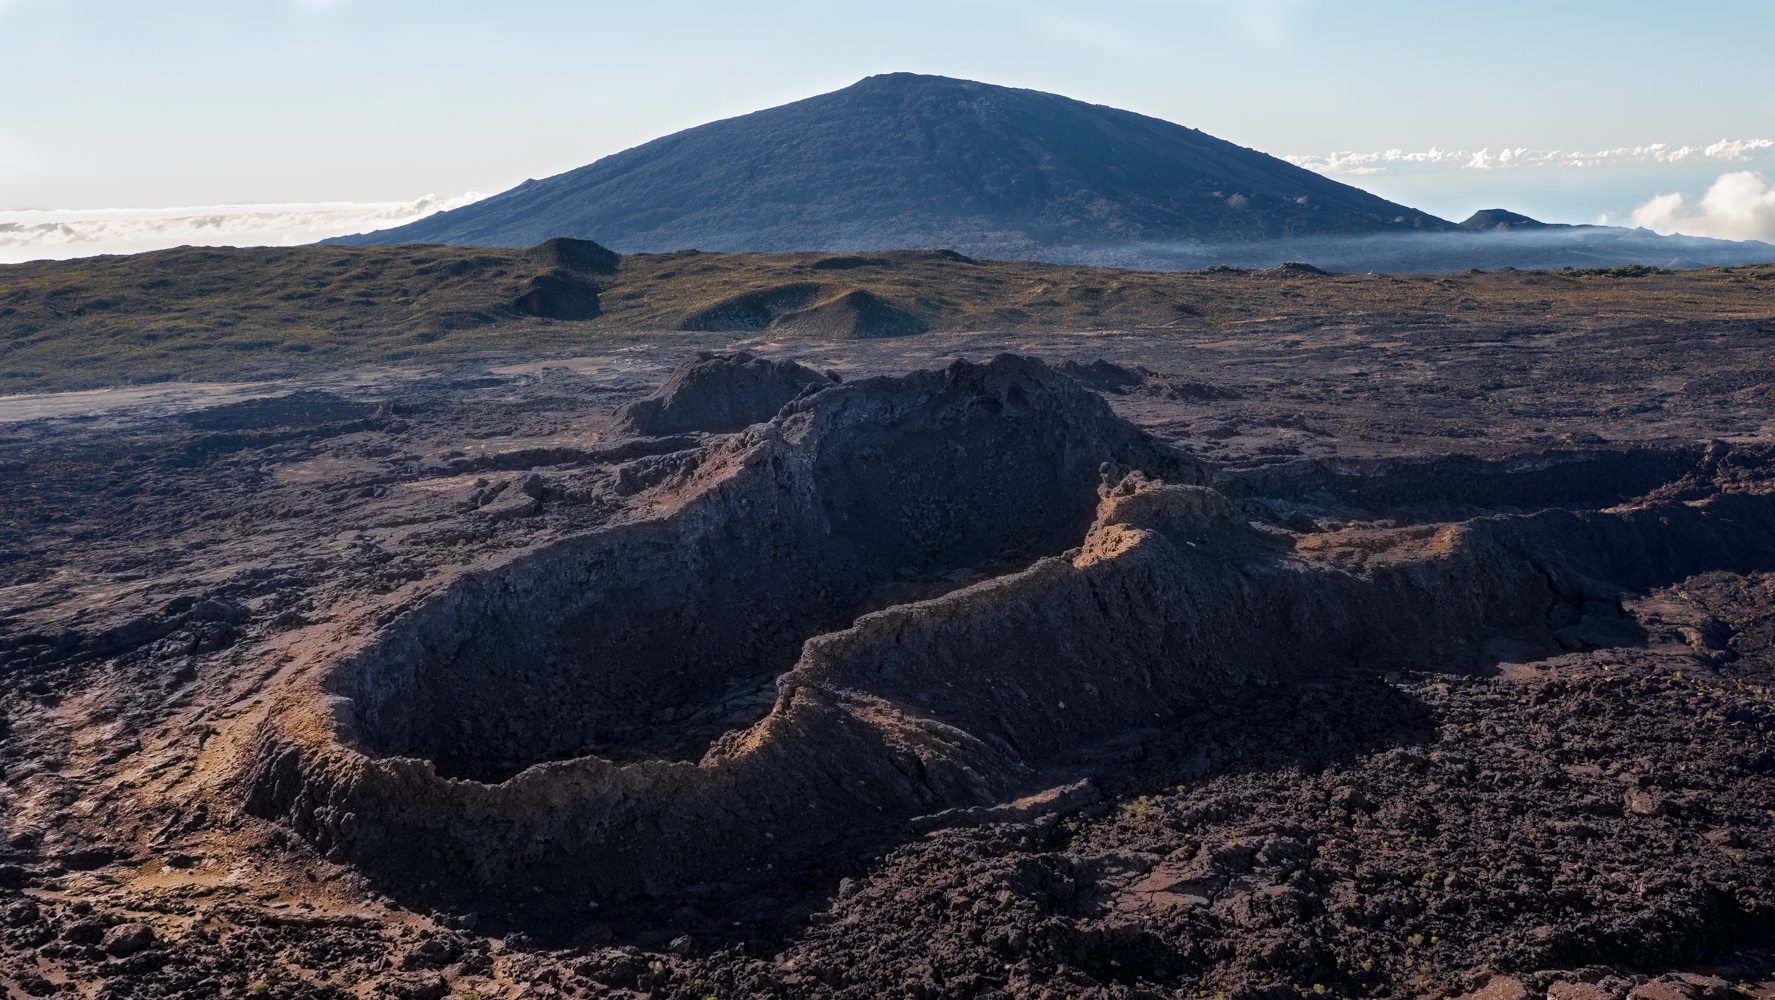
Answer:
(1335, 663)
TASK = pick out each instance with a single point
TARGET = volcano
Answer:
(904, 160)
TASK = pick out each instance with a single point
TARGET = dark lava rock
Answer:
(141, 963)
(87, 931)
(432, 953)
(1104, 376)
(127, 939)
(20, 914)
(86, 859)
(418, 986)
(617, 968)
(304, 408)
(219, 609)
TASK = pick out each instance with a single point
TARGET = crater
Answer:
(653, 639)
(901, 597)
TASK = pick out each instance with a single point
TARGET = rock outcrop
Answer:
(719, 393)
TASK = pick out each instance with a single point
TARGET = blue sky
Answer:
(329, 114)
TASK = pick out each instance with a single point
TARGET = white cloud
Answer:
(34, 234)
(1737, 149)
(1738, 206)
(1509, 157)
(1485, 159)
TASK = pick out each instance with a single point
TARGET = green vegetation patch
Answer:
(202, 314)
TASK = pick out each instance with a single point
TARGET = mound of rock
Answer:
(718, 393)
(1293, 269)
(581, 256)
(559, 294)
(568, 287)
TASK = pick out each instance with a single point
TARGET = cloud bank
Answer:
(1508, 157)
(1738, 206)
(34, 234)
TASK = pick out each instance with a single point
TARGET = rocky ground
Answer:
(1588, 818)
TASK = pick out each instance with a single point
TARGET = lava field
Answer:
(1049, 673)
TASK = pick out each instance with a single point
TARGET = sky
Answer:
(133, 124)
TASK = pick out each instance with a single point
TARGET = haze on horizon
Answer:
(283, 121)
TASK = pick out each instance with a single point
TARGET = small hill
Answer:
(1501, 220)
(904, 160)
(581, 256)
(856, 313)
(808, 308)
(752, 310)
(718, 392)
